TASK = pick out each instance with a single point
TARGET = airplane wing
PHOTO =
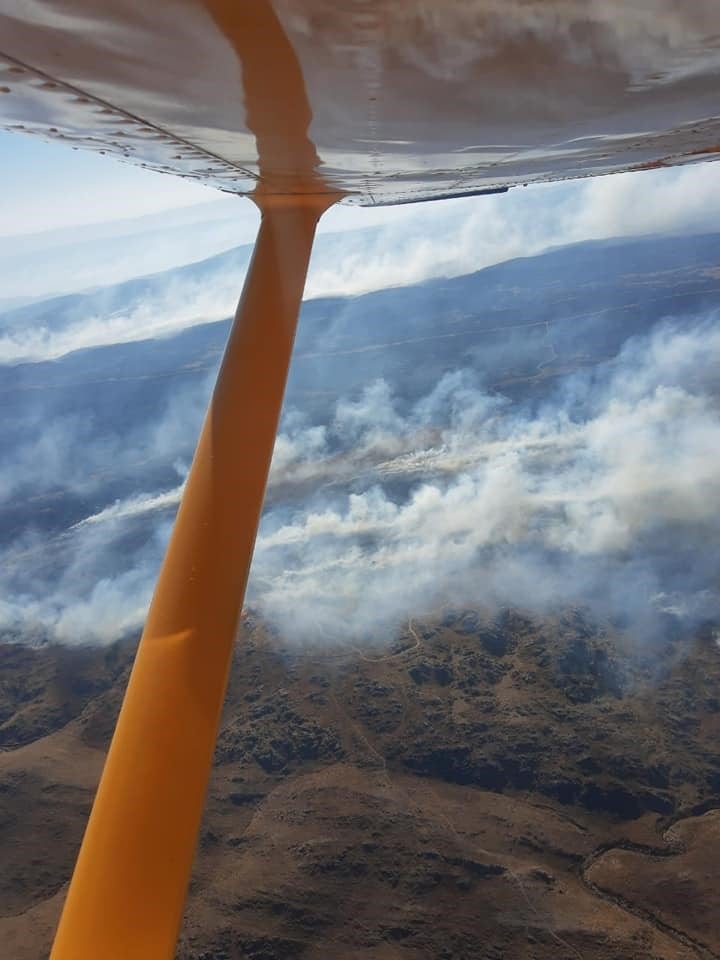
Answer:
(384, 102)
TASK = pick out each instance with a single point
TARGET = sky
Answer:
(46, 186)
(49, 186)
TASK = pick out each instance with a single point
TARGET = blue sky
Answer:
(50, 186)
(46, 186)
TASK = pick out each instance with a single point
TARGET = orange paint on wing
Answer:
(274, 88)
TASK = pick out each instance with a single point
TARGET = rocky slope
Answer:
(481, 786)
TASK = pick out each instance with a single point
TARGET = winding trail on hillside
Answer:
(642, 913)
(399, 653)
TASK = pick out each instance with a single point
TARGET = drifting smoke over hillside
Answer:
(399, 246)
(604, 496)
(600, 489)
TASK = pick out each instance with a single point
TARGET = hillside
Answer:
(480, 786)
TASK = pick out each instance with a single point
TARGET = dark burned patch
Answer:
(612, 799)
(459, 765)
(245, 799)
(431, 673)
(44, 688)
(587, 670)
(232, 945)
(277, 738)
(32, 808)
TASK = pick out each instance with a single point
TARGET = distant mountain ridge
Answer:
(588, 298)
(595, 261)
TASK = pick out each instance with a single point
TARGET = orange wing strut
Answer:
(128, 890)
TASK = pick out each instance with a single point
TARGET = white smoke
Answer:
(514, 509)
(605, 495)
(410, 245)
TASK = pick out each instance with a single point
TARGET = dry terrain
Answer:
(480, 787)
